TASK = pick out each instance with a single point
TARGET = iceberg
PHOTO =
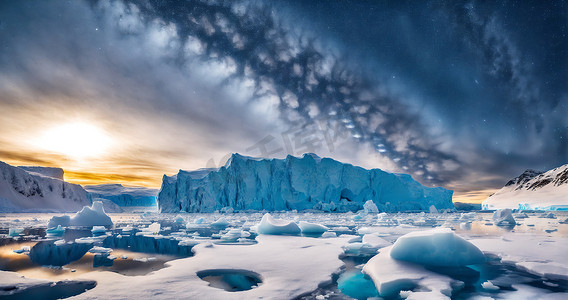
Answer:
(269, 225)
(504, 217)
(295, 183)
(89, 216)
(436, 247)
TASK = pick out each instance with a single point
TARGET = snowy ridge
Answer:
(533, 190)
(308, 182)
(28, 191)
(122, 195)
(56, 173)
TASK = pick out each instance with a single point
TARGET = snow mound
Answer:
(88, 216)
(436, 247)
(269, 225)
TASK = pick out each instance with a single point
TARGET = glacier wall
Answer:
(309, 182)
(23, 191)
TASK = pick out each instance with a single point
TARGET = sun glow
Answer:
(77, 140)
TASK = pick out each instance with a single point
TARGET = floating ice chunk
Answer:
(24, 249)
(329, 234)
(145, 259)
(359, 249)
(179, 220)
(436, 247)
(313, 228)
(433, 209)
(488, 285)
(375, 241)
(101, 250)
(15, 231)
(227, 210)
(370, 207)
(503, 217)
(392, 276)
(465, 226)
(521, 215)
(220, 223)
(50, 254)
(548, 216)
(404, 294)
(154, 228)
(269, 225)
(88, 216)
(199, 221)
(56, 231)
(98, 230)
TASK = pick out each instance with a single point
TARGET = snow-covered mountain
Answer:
(533, 190)
(21, 190)
(122, 195)
(56, 173)
(309, 182)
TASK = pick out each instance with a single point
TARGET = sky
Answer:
(460, 94)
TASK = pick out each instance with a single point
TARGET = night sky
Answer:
(464, 95)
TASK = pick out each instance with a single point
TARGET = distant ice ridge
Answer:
(37, 190)
(293, 183)
(533, 190)
(124, 196)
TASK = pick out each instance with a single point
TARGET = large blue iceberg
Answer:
(309, 182)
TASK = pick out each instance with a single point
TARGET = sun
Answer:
(76, 140)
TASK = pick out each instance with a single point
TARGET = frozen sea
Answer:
(222, 256)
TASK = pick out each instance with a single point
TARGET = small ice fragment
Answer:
(56, 231)
(154, 228)
(433, 209)
(15, 231)
(370, 207)
(98, 229)
(329, 234)
(488, 285)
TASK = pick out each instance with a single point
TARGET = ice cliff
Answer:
(533, 190)
(309, 182)
(22, 190)
(124, 196)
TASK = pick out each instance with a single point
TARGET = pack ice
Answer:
(295, 183)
